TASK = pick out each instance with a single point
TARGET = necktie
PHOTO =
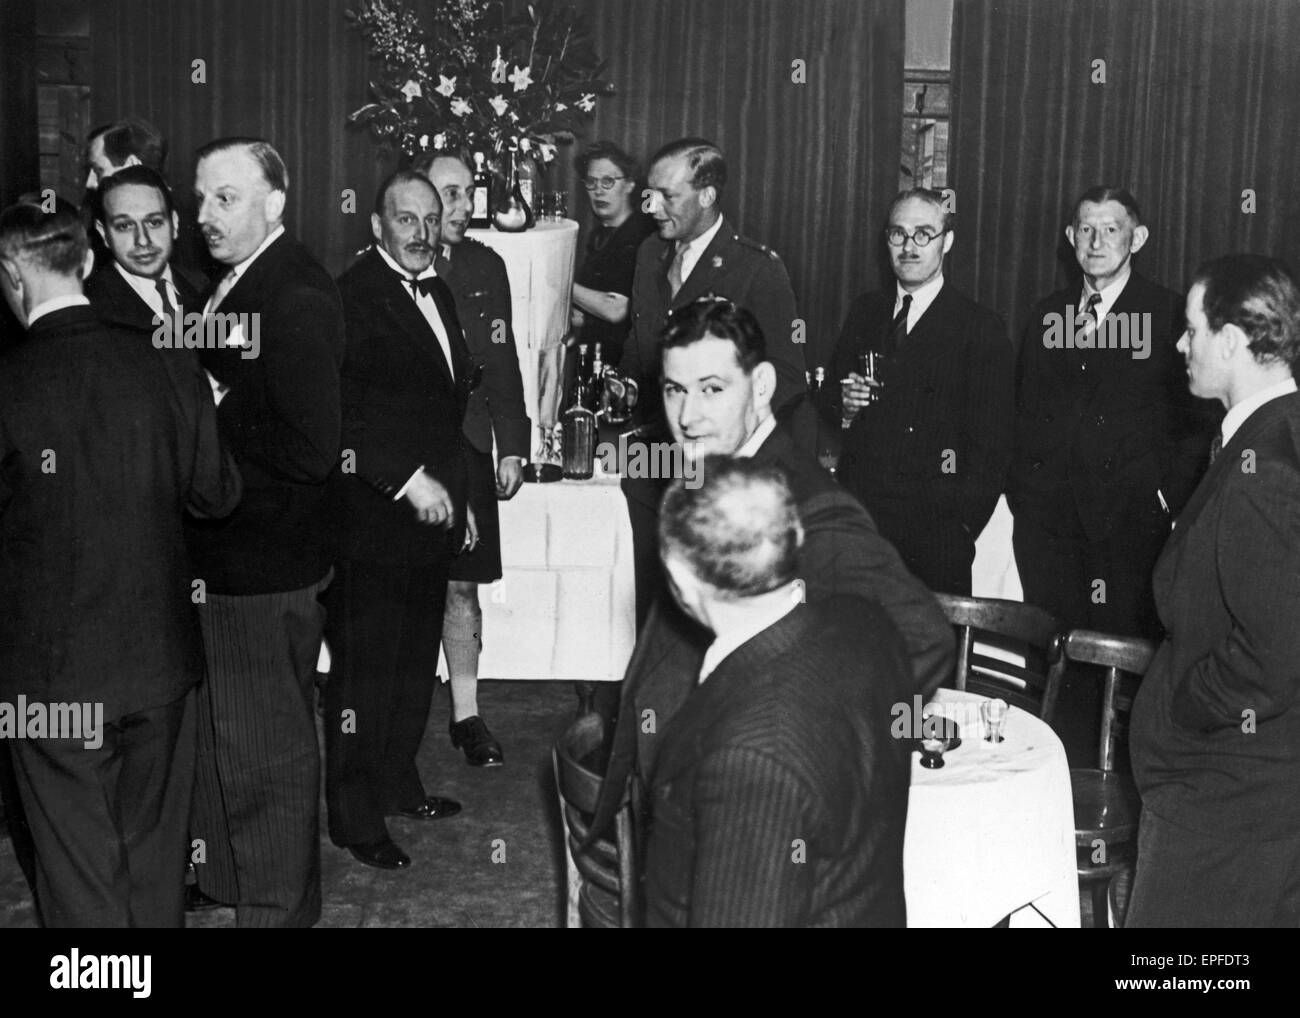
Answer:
(219, 294)
(1087, 317)
(169, 309)
(1216, 446)
(675, 270)
(897, 328)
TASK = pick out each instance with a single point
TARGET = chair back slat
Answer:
(1124, 660)
(603, 865)
(1021, 629)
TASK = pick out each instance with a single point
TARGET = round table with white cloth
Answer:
(991, 833)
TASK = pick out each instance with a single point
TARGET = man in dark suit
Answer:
(406, 379)
(697, 252)
(717, 394)
(105, 442)
(1108, 443)
(139, 288)
(111, 148)
(780, 797)
(928, 439)
(1215, 734)
(275, 375)
(478, 281)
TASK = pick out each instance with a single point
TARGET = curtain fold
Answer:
(812, 166)
(1197, 106)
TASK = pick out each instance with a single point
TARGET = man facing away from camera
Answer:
(780, 796)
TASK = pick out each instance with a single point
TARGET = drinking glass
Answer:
(995, 719)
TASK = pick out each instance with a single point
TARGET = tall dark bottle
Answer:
(513, 214)
(480, 217)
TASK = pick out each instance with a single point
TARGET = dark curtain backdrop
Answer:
(812, 166)
(1200, 102)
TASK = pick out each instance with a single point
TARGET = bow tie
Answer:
(420, 286)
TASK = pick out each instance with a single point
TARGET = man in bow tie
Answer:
(926, 440)
(257, 792)
(407, 377)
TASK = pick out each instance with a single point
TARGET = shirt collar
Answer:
(701, 243)
(725, 644)
(1109, 293)
(1236, 417)
(48, 307)
(392, 264)
(752, 444)
(922, 298)
(271, 238)
(141, 284)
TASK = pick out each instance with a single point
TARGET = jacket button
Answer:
(1101, 419)
(1048, 419)
(910, 429)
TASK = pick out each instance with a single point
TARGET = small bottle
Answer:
(819, 379)
(481, 214)
(578, 436)
(596, 382)
(513, 214)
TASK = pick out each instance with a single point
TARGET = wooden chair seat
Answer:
(1106, 806)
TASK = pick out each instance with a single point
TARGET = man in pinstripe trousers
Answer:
(255, 827)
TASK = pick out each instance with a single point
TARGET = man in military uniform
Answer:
(478, 281)
(697, 252)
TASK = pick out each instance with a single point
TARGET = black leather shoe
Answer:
(197, 901)
(433, 808)
(481, 750)
(382, 854)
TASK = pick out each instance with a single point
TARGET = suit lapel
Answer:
(929, 337)
(395, 298)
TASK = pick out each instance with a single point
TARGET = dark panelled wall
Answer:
(1199, 103)
(812, 165)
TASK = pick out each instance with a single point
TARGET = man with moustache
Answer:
(478, 281)
(104, 448)
(1108, 446)
(258, 786)
(717, 395)
(138, 222)
(697, 252)
(406, 379)
(928, 440)
(1215, 733)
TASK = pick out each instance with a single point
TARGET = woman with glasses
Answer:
(603, 283)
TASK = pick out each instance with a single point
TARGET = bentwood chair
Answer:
(600, 880)
(1029, 633)
(1106, 803)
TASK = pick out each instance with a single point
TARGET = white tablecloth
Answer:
(992, 831)
(539, 263)
(567, 543)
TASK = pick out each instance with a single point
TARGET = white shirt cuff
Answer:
(401, 492)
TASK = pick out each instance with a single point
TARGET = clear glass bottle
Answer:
(578, 436)
(512, 214)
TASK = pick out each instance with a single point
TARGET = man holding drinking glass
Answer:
(925, 400)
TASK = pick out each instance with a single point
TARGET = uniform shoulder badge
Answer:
(755, 245)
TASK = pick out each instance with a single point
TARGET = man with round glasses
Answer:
(602, 287)
(925, 398)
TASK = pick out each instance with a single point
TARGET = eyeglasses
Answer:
(897, 236)
(604, 183)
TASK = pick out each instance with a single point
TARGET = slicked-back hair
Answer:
(262, 152)
(627, 165)
(708, 168)
(1260, 296)
(1103, 193)
(423, 163)
(141, 176)
(930, 197)
(133, 136)
(738, 531)
(411, 176)
(52, 241)
(716, 318)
